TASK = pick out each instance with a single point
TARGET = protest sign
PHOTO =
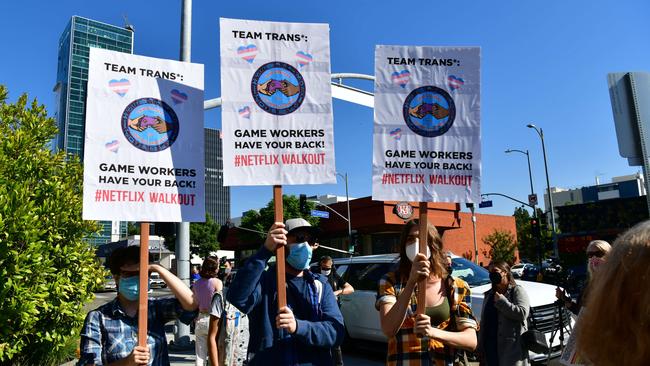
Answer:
(427, 134)
(276, 103)
(144, 141)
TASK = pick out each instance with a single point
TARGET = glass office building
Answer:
(71, 82)
(217, 197)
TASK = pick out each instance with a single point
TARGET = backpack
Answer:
(233, 335)
(234, 332)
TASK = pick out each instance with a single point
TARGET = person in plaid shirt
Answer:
(109, 335)
(447, 325)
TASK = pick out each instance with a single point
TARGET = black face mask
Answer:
(495, 278)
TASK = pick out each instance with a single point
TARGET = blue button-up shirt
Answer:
(109, 335)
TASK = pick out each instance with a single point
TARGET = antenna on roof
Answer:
(127, 25)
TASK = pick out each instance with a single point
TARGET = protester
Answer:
(204, 289)
(195, 276)
(503, 319)
(109, 334)
(228, 335)
(614, 328)
(448, 323)
(303, 332)
(597, 251)
(340, 287)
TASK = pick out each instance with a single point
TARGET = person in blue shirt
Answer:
(109, 335)
(303, 332)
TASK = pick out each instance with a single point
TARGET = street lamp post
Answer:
(347, 199)
(540, 132)
(532, 192)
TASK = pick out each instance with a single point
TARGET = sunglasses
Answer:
(598, 254)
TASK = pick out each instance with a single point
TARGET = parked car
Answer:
(518, 269)
(362, 321)
(109, 283)
(155, 281)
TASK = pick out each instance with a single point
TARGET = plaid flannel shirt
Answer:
(406, 348)
(109, 335)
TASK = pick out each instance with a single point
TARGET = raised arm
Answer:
(179, 289)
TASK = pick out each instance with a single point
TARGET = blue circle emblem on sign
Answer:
(278, 88)
(150, 124)
(429, 111)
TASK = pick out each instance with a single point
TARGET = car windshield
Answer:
(471, 273)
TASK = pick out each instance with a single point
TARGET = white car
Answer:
(518, 269)
(364, 273)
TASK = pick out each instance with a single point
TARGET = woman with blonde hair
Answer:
(597, 251)
(447, 323)
(614, 328)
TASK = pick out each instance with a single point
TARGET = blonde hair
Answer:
(599, 245)
(615, 326)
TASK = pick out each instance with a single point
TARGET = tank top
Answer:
(203, 290)
(438, 313)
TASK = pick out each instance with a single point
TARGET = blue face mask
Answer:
(299, 255)
(130, 287)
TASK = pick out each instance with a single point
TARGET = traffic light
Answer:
(303, 204)
(535, 228)
(164, 229)
(354, 241)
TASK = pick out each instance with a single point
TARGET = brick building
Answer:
(378, 228)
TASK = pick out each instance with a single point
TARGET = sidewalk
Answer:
(180, 357)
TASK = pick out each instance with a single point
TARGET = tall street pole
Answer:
(540, 132)
(182, 335)
(532, 192)
(347, 199)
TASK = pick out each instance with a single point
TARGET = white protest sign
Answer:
(427, 133)
(277, 103)
(144, 144)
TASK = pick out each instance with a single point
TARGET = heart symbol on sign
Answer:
(455, 82)
(396, 133)
(401, 78)
(248, 52)
(178, 96)
(303, 58)
(245, 112)
(120, 87)
(113, 146)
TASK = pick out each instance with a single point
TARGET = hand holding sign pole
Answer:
(279, 252)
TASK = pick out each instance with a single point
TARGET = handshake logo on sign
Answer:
(435, 109)
(270, 87)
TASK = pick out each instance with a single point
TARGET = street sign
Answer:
(485, 204)
(532, 199)
(322, 214)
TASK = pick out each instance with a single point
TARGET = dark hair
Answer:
(122, 256)
(209, 268)
(438, 259)
(505, 267)
(325, 258)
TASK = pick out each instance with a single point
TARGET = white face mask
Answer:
(413, 249)
(326, 272)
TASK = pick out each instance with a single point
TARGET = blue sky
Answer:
(543, 62)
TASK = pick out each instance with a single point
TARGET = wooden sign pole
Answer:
(144, 284)
(422, 284)
(279, 253)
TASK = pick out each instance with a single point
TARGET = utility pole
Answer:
(182, 334)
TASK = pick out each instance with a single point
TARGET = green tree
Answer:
(47, 271)
(526, 243)
(262, 220)
(502, 246)
(203, 237)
